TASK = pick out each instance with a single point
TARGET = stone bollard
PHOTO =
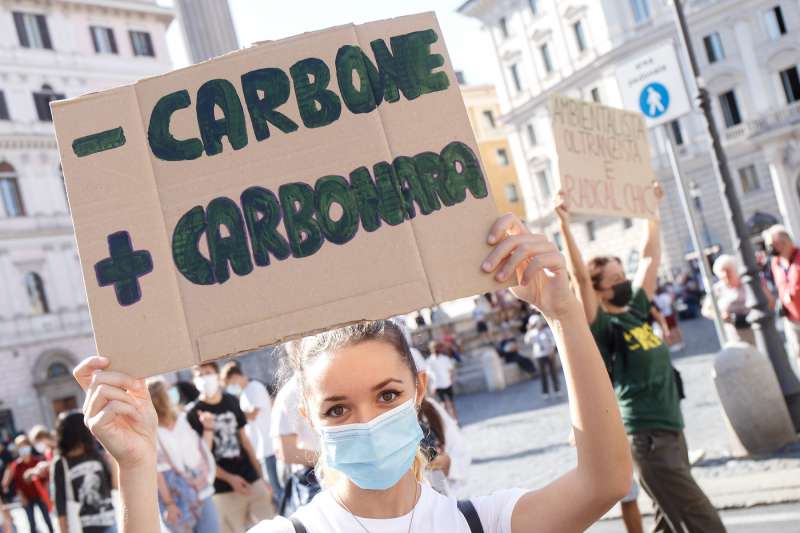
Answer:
(492, 369)
(754, 408)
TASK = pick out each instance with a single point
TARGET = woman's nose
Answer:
(365, 413)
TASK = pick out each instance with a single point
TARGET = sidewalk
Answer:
(740, 491)
(519, 439)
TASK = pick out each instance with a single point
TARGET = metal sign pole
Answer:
(683, 193)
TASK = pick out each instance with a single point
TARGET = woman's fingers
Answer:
(524, 252)
(101, 395)
(115, 380)
(109, 413)
(507, 224)
(85, 370)
(506, 247)
(552, 261)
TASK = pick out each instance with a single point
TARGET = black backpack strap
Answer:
(471, 515)
(298, 525)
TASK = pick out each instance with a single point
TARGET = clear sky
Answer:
(258, 20)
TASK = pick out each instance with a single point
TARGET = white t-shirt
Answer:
(664, 303)
(186, 451)
(287, 420)
(434, 512)
(440, 367)
(255, 396)
(542, 340)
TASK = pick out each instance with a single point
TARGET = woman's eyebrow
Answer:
(334, 398)
(382, 384)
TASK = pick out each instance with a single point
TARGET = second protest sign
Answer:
(603, 159)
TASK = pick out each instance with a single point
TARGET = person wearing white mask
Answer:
(241, 496)
(360, 392)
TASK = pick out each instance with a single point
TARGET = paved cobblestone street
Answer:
(520, 440)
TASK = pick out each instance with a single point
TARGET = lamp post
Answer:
(696, 194)
(761, 317)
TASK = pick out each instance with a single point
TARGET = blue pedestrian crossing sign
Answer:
(654, 100)
(652, 83)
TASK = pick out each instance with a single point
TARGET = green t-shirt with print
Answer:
(645, 387)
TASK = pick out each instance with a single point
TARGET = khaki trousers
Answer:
(662, 462)
(238, 512)
(792, 331)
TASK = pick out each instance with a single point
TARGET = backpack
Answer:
(619, 348)
(465, 506)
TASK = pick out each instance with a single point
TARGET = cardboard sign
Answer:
(603, 159)
(278, 190)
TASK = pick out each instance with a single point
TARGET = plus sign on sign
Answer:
(652, 83)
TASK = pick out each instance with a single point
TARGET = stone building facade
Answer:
(483, 110)
(51, 50)
(749, 51)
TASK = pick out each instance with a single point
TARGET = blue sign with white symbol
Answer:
(654, 100)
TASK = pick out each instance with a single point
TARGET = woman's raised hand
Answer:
(119, 412)
(561, 207)
(539, 267)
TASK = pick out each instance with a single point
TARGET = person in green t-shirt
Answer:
(640, 368)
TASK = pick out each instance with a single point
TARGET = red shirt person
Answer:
(786, 273)
(29, 490)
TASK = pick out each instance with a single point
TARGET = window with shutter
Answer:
(141, 43)
(3, 107)
(42, 101)
(32, 30)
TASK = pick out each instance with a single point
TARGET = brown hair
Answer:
(435, 421)
(230, 369)
(301, 353)
(208, 364)
(158, 393)
(596, 266)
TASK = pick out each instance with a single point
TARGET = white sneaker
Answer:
(546, 395)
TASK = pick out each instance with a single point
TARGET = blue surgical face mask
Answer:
(234, 389)
(376, 454)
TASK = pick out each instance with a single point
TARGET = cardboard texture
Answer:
(275, 191)
(603, 159)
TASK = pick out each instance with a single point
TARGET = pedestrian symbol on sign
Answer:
(654, 100)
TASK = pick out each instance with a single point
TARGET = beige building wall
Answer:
(483, 109)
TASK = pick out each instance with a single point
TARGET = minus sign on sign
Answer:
(98, 142)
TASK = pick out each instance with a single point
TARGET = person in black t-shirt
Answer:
(241, 496)
(81, 475)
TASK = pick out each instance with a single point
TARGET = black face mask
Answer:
(623, 292)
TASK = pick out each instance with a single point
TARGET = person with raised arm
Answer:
(646, 385)
(370, 465)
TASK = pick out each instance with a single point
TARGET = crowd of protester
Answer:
(230, 454)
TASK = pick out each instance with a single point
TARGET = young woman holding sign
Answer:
(639, 363)
(367, 421)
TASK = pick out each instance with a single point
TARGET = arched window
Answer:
(56, 370)
(10, 197)
(36, 295)
(42, 99)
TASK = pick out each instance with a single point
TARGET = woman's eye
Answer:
(335, 411)
(389, 396)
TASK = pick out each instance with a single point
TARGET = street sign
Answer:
(653, 84)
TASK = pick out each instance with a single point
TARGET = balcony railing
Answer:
(768, 122)
(35, 328)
